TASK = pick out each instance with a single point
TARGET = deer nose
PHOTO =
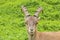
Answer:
(31, 29)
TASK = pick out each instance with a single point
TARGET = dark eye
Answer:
(27, 15)
(36, 23)
(35, 16)
(26, 23)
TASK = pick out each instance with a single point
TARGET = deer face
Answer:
(31, 23)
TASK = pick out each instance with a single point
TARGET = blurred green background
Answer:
(12, 26)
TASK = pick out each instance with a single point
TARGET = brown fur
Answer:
(47, 35)
(43, 35)
(31, 22)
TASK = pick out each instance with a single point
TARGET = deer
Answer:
(31, 23)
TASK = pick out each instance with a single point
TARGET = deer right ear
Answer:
(24, 9)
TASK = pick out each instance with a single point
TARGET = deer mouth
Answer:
(31, 32)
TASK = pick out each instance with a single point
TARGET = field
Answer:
(12, 24)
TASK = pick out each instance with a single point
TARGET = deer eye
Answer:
(26, 23)
(27, 15)
(36, 23)
(35, 16)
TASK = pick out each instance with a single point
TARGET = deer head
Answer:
(31, 21)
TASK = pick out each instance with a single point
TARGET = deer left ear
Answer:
(38, 18)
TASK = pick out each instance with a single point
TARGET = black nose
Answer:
(31, 29)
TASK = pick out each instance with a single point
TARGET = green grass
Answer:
(12, 26)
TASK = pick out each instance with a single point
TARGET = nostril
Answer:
(31, 29)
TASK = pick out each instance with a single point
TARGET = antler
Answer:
(24, 9)
(37, 12)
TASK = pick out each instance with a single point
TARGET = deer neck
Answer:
(32, 37)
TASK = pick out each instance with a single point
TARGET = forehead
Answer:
(31, 18)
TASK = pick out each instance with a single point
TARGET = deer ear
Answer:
(24, 9)
(39, 18)
(37, 11)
